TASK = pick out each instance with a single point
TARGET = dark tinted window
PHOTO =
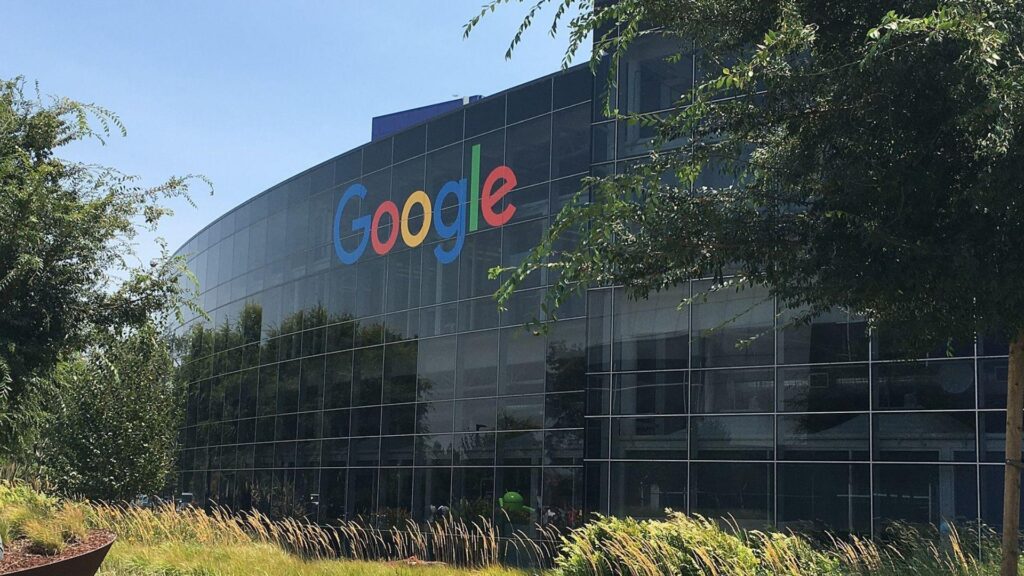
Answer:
(650, 393)
(825, 497)
(737, 490)
(937, 385)
(444, 130)
(485, 116)
(529, 101)
(409, 143)
(732, 437)
(823, 388)
(528, 151)
(823, 437)
(376, 155)
(572, 87)
(925, 437)
(570, 149)
(747, 390)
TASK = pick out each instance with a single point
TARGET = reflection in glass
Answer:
(651, 334)
(823, 388)
(823, 437)
(734, 390)
(739, 491)
(819, 498)
(732, 328)
(925, 437)
(934, 385)
(924, 495)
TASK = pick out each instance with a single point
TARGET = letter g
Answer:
(361, 223)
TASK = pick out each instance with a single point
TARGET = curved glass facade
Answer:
(350, 370)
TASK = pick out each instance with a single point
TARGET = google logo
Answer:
(483, 200)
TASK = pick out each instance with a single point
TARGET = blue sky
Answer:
(250, 92)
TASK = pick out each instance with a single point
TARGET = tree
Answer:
(113, 420)
(68, 268)
(876, 158)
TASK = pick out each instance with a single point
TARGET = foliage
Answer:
(183, 559)
(45, 537)
(862, 136)
(168, 540)
(676, 545)
(872, 159)
(114, 418)
(47, 524)
(67, 258)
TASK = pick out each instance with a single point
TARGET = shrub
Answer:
(44, 536)
(18, 494)
(794, 556)
(14, 517)
(676, 545)
(73, 522)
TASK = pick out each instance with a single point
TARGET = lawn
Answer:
(188, 559)
(166, 541)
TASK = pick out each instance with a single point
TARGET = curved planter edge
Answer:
(84, 564)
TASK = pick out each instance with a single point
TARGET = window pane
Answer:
(724, 323)
(410, 142)
(376, 155)
(648, 80)
(734, 390)
(431, 493)
(823, 388)
(652, 438)
(476, 415)
(332, 495)
(934, 385)
(435, 368)
(522, 370)
(485, 115)
(924, 495)
(528, 150)
(434, 417)
(563, 497)
(312, 387)
(823, 437)
(434, 450)
(831, 337)
(529, 101)
(473, 449)
(444, 130)
(571, 145)
(519, 448)
(480, 253)
(646, 489)
(572, 87)
(472, 493)
(925, 437)
(521, 412)
(362, 493)
(400, 372)
(992, 376)
(651, 334)
(398, 419)
(564, 410)
(599, 330)
(566, 365)
(732, 437)
(819, 498)
(477, 361)
(563, 447)
(367, 376)
(737, 491)
(397, 451)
